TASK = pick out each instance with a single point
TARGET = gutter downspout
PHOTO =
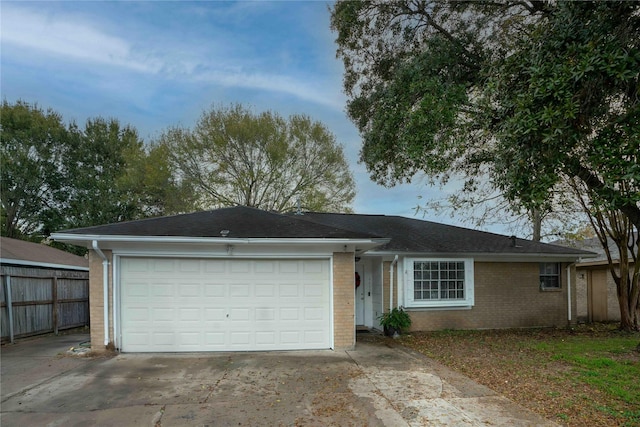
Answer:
(569, 314)
(105, 286)
(391, 271)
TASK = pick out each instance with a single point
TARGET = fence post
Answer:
(54, 297)
(7, 291)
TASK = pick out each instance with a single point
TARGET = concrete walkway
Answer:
(373, 385)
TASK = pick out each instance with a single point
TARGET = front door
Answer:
(360, 294)
(365, 293)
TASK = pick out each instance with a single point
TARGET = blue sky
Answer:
(157, 64)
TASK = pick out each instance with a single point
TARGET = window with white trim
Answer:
(549, 275)
(439, 282)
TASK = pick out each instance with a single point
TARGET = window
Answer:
(439, 282)
(549, 275)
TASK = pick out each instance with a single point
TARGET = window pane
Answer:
(439, 280)
(550, 275)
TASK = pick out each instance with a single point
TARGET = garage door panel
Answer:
(313, 290)
(312, 267)
(265, 314)
(167, 339)
(192, 339)
(239, 290)
(265, 267)
(189, 289)
(160, 289)
(218, 305)
(289, 290)
(312, 337)
(162, 314)
(189, 315)
(214, 290)
(214, 314)
(289, 314)
(288, 267)
(243, 267)
(313, 313)
(189, 266)
(265, 291)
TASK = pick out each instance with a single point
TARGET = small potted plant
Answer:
(395, 321)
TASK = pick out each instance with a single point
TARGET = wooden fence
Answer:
(36, 301)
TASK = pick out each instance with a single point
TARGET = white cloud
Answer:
(276, 83)
(75, 38)
(67, 38)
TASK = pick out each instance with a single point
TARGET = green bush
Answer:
(397, 319)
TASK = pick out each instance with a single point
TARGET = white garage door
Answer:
(175, 304)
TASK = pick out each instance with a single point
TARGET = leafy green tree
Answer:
(233, 156)
(97, 171)
(529, 96)
(57, 176)
(34, 143)
(624, 266)
(159, 189)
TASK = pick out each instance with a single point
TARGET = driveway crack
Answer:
(212, 388)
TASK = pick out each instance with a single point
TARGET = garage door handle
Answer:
(227, 315)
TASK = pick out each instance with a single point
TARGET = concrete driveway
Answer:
(374, 385)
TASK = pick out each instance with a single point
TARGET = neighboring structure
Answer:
(245, 279)
(43, 289)
(596, 291)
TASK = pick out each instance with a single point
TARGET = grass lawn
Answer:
(588, 376)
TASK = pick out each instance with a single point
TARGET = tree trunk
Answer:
(536, 218)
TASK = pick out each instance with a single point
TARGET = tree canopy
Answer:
(32, 185)
(57, 176)
(520, 92)
(533, 97)
(234, 156)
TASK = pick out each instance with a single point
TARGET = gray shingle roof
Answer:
(240, 221)
(406, 235)
(418, 236)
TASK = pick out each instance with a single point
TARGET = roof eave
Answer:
(9, 261)
(88, 238)
(489, 256)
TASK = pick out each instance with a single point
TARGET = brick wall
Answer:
(96, 303)
(507, 295)
(344, 300)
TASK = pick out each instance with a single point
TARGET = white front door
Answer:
(186, 304)
(360, 295)
(365, 294)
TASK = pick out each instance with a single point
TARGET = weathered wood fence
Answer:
(36, 301)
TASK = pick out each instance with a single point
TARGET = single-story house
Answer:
(43, 289)
(245, 279)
